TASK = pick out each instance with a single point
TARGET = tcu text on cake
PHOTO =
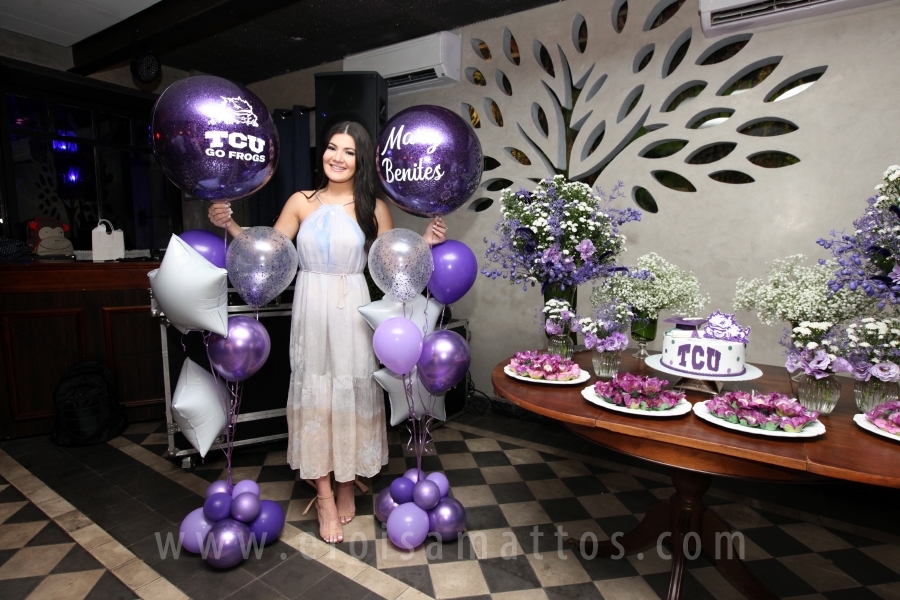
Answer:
(697, 353)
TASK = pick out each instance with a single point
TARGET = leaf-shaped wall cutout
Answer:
(579, 32)
(773, 159)
(475, 76)
(676, 53)
(684, 93)
(518, 156)
(673, 181)
(644, 200)
(543, 58)
(540, 119)
(661, 13)
(750, 76)
(619, 15)
(510, 47)
(481, 49)
(795, 85)
(493, 112)
(594, 139)
(503, 83)
(480, 204)
(495, 185)
(490, 163)
(767, 127)
(642, 58)
(710, 118)
(724, 49)
(711, 153)
(595, 88)
(735, 177)
(631, 101)
(662, 148)
(470, 112)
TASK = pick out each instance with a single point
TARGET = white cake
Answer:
(716, 351)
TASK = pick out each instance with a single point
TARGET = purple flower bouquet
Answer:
(536, 365)
(886, 417)
(769, 412)
(637, 392)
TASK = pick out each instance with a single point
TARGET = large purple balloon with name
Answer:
(213, 138)
(211, 246)
(243, 352)
(429, 160)
(444, 360)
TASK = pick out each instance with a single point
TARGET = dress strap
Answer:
(316, 192)
(323, 203)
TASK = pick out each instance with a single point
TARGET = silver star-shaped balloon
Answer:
(424, 313)
(423, 401)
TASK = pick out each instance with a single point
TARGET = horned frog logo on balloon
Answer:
(235, 111)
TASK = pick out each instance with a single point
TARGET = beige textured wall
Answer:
(848, 128)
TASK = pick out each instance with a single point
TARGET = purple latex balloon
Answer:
(384, 505)
(398, 344)
(413, 474)
(444, 361)
(261, 263)
(442, 482)
(455, 270)
(407, 527)
(208, 244)
(245, 485)
(213, 138)
(269, 523)
(402, 490)
(447, 519)
(218, 487)
(426, 494)
(227, 540)
(243, 352)
(245, 507)
(217, 506)
(193, 530)
(429, 160)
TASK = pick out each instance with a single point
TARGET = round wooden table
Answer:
(695, 450)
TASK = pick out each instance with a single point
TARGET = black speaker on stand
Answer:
(359, 96)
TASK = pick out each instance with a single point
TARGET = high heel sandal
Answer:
(336, 531)
(363, 488)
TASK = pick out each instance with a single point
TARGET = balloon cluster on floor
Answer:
(216, 141)
(231, 522)
(417, 505)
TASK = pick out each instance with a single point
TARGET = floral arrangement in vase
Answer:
(886, 417)
(559, 318)
(867, 259)
(769, 412)
(604, 332)
(868, 348)
(560, 233)
(537, 365)
(809, 351)
(637, 392)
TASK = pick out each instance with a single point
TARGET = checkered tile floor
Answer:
(523, 496)
(39, 560)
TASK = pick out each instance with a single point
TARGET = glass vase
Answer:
(643, 330)
(818, 394)
(869, 394)
(561, 345)
(606, 364)
(555, 291)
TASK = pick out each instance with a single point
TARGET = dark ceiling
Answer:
(311, 32)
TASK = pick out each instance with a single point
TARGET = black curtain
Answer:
(293, 172)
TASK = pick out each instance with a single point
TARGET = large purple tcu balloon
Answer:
(444, 360)
(429, 160)
(229, 542)
(243, 352)
(213, 138)
(261, 263)
(210, 245)
(455, 270)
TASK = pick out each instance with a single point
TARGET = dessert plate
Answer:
(861, 420)
(682, 408)
(584, 376)
(814, 429)
(655, 362)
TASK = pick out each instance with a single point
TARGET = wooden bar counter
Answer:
(56, 314)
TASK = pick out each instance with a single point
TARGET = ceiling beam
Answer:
(164, 26)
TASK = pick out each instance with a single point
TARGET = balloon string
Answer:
(235, 406)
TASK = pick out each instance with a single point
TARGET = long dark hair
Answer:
(364, 179)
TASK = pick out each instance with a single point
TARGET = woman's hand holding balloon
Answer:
(436, 232)
(219, 214)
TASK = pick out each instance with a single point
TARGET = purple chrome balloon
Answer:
(245, 485)
(217, 506)
(384, 505)
(398, 344)
(261, 263)
(214, 138)
(455, 270)
(413, 474)
(402, 490)
(447, 519)
(429, 160)
(243, 352)
(268, 525)
(228, 539)
(208, 244)
(194, 530)
(426, 494)
(407, 527)
(442, 482)
(444, 361)
(218, 487)
(245, 507)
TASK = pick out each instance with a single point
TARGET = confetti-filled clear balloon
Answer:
(400, 264)
(261, 263)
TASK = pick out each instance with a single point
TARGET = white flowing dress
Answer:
(335, 409)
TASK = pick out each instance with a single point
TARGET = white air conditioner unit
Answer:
(724, 16)
(423, 63)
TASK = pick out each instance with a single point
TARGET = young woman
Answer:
(335, 409)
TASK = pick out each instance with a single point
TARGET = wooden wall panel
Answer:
(134, 355)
